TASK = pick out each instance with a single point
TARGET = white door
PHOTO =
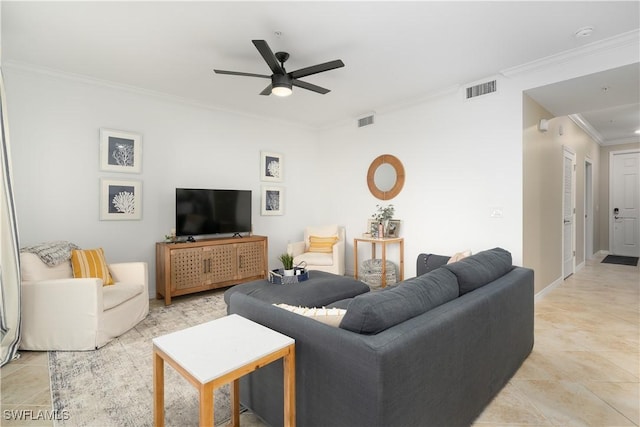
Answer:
(625, 196)
(568, 214)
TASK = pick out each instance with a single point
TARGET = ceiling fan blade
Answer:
(315, 69)
(238, 73)
(309, 86)
(267, 90)
(268, 56)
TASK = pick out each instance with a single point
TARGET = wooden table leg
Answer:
(401, 260)
(290, 388)
(235, 402)
(158, 390)
(206, 405)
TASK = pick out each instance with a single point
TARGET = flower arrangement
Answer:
(382, 215)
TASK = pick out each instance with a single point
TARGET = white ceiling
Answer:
(394, 52)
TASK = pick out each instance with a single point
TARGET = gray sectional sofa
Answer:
(432, 350)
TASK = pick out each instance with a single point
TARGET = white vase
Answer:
(288, 272)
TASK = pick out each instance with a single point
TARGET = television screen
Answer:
(204, 211)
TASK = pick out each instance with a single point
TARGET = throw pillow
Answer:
(458, 256)
(322, 244)
(477, 270)
(328, 316)
(90, 263)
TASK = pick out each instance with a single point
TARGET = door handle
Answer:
(566, 221)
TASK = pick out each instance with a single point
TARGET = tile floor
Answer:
(583, 371)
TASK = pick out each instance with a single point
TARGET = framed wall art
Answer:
(120, 151)
(120, 199)
(272, 202)
(270, 166)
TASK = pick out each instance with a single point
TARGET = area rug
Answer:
(622, 260)
(113, 386)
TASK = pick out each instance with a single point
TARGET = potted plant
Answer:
(382, 215)
(287, 262)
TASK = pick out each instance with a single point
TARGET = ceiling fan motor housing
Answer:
(281, 80)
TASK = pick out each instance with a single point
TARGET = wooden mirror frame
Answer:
(397, 187)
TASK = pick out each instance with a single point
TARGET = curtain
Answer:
(9, 247)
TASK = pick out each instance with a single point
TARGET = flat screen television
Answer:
(209, 211)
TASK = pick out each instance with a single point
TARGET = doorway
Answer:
(568, 213)
(588, 209)
(624, 200)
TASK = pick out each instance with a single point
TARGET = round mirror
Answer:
(385, 177)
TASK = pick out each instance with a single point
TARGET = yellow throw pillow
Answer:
(322, 244)
(91, 263)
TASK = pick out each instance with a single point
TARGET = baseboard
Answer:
(548, 289)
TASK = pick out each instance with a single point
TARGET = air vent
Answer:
(481, 89)
(365, 121)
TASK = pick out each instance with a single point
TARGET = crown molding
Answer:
(622, 141)
(583, 124)
(92, 81)
(629, 38)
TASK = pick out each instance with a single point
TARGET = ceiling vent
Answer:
(482, 89)
(365, 121)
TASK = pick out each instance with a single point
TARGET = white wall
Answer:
(54, 124)
(461, 160)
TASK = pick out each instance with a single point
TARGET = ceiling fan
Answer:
(281, 80)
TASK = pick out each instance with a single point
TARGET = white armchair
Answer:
(60, 312)
(331, 262)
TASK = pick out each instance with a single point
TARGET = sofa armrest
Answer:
(428, 262)
(131, 272)
(338, 256)
(59, 314)
(296, 248)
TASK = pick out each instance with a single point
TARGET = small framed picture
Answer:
(120, 199)
(120, 151)
(372, 227)
(394, 228)
(272, 201)
(270, 166)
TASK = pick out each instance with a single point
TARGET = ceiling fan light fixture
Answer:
(281, 85)
(282, 90)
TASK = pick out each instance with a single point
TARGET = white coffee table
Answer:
(220, 352)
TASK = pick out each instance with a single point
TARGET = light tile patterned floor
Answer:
(583, 371)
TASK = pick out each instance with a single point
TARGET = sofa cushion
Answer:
(328, 316)
(90, 263)
(113, 296)
(479, 269)
(33, 269)
(376, 311)
(314, 258)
